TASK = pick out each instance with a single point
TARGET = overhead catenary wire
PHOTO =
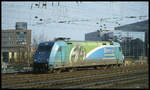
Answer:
(62, 13)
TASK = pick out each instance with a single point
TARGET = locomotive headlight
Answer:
(35, 59)
(47, 59)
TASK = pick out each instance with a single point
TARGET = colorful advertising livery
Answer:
(64, 54)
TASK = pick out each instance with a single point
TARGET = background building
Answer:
(133, 38)
(16, 44)
(93, 36)
(139, 27)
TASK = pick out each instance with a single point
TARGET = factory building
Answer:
(16, 44)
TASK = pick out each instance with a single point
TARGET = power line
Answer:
(62, 14)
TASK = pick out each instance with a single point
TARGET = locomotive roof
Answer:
(46, 43)
(81, 42)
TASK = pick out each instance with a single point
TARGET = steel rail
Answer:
(28, 78)
(79, 81)
(48, 75)
(63, 80)
(31, 75)
(106, 82)
(131, 81)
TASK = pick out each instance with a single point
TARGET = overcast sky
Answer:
(83, 17)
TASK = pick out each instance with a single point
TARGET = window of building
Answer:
(21, 37)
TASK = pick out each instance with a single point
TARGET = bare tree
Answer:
(35, 43)
(42, 37)
(38, 39)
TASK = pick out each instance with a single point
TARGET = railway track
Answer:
(76, 82)
(111, 82)
(82, 82)
(24, 75)
(54, 76)
(73, 80)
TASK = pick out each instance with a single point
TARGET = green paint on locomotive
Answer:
(75, 53)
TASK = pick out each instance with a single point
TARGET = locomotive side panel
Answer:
(97, 54)
(76, 54)
(89, 53)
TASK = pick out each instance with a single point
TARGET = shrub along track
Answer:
(70, 79)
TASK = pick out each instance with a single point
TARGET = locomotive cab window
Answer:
(44, 48)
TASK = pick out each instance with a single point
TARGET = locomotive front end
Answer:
(42, 57)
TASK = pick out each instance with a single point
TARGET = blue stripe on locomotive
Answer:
(100, 54)
(106, 52)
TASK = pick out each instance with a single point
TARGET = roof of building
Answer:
(138, 26)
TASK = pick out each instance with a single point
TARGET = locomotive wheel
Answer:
(72, 69)
(50, 69)
(34, 68)
(34, 71)
(58, 71)
(95, 67)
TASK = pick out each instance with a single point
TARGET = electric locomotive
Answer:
(66, 54)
